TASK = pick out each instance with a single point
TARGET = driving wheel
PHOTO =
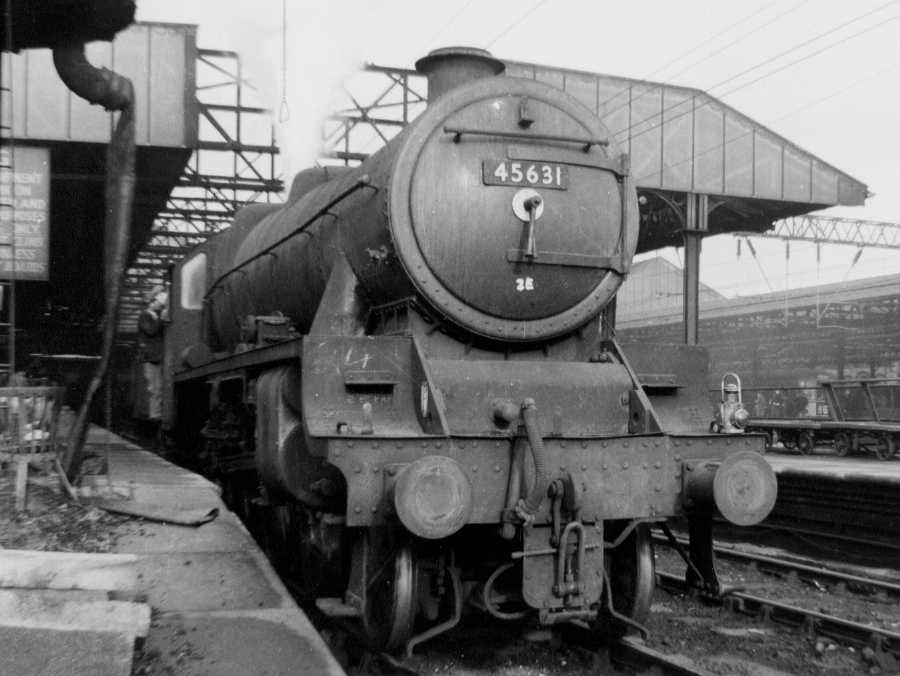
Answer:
(389, 586)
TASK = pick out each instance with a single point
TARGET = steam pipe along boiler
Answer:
(406, 375)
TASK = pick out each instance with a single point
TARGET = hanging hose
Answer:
(113, 92)
(528, 507)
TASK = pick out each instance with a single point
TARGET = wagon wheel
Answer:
(885, 446)
(789, 441)
(389, 578)
(842, 444)
(806, 442)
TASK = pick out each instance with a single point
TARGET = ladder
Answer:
(7, 203)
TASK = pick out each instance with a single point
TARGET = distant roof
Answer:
(655, 286)
(683, 140)
(856, 291)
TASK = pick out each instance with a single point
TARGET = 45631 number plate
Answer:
(537, 174)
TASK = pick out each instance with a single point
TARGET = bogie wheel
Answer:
(789, 441)
(842, 444)
(885, 447)
(632, 578)
(389, 588)
(806, 442)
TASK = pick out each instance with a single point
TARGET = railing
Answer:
(29, 421)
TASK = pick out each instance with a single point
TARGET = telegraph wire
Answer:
(815, 53)
(748, 70)
(738, 39)
(516, 23)
(444, 26)
(811, 40)
(661, 114)
(718, 147)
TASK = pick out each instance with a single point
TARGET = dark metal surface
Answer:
(453, 272)
(53, 23)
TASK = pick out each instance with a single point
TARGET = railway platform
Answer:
(217, 605)
(852, 496)
(859, 468)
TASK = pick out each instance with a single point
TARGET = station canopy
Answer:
(682, 140)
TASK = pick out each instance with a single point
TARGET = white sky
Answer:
(840, 101)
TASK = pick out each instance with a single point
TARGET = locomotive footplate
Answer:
(615, 478)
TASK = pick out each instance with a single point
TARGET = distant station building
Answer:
(844, 330)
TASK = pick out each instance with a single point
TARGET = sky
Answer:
(825, 74)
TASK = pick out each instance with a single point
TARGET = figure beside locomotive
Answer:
(408, 373)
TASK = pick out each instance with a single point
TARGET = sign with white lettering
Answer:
(25, 213)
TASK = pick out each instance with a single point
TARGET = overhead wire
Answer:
(718, 33)
(444, 26)
(284, 112)
(740, 38)
(807, 42)
(720, 146)
(661, 114)
(700, 45)
(527, 13)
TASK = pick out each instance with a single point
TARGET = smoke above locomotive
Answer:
(506, 208)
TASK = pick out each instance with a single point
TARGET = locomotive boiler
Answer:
(407, 375)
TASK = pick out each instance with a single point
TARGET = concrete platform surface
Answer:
(52, 652)
(219, 607)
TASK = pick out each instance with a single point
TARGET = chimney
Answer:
(450, 67)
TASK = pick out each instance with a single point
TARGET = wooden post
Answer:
(21, 483)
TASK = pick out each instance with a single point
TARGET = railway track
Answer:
(631, 654)
(814, 622)
(802, 570)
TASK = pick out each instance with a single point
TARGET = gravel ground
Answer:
(714, 636)
(52, 521)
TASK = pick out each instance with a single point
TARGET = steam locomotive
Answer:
(407, 375)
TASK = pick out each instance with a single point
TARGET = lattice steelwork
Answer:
(393, 97)
(233, 164)
(833, 230)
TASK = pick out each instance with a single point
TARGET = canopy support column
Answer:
(696, 214)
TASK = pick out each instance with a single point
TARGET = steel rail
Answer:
(812, 621)
(792, 566)
(630, 653)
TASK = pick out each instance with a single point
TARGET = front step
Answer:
(336, 608)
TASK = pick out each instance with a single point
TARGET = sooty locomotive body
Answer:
(406, 374)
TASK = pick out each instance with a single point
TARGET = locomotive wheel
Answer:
(806, 442)
(632, 577)
(842, 444)
(389, 606)
(885, 447)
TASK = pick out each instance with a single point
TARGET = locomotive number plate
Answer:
(537, 174)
